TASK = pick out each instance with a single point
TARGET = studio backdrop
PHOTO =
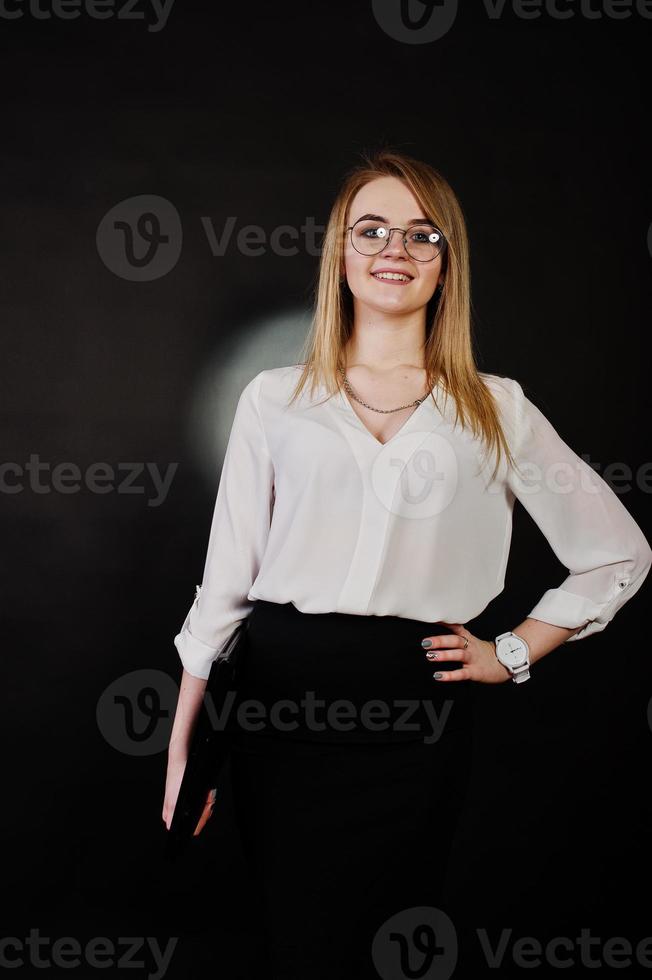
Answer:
(167, 173)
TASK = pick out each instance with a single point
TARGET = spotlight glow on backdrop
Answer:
(263, 343)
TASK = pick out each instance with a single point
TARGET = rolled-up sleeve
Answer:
(238, 537)
(589, 529)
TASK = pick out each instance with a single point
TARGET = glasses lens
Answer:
(369, 237)
(424, 242)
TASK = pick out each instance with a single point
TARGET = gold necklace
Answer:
(383, 411)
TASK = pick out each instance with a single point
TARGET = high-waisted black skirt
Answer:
(349, 769)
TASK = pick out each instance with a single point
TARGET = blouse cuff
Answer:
(196, 656)
(565, 609)
(561, 608)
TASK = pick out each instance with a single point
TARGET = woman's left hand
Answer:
(478, 657)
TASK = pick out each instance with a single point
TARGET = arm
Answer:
(541, 638)
(191, 693)
(585, 523)
(238, 537)
(590, 531)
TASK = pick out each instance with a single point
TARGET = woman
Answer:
(361, 530)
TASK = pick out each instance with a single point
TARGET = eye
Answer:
(426, 236)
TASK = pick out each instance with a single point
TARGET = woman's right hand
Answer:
(176, 769)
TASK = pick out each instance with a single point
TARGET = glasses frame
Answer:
(404, 232)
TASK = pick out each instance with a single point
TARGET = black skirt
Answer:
(349, 769)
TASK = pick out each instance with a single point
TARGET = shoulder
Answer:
(514, 406)
(501, 385)
(272, 380)
(274, 385)
(271, 387)
(508, 393)
(522, 414)
(279, 376)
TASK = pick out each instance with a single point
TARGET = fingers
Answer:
(207, 812)
(450, 676)
(444, 640)
(205, 817)
(448, 647)
(448, 655)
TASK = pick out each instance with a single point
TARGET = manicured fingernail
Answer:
(437, 676)
(432, 656)
(426, 643)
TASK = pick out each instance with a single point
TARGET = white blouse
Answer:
(312, 509)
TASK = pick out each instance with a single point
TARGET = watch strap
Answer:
(521, 673)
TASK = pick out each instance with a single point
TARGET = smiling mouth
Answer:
(392, 277)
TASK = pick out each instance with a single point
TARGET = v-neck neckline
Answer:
(345, 401)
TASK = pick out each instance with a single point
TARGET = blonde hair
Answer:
(448, 354)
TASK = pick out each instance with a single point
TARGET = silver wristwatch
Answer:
(513, 653)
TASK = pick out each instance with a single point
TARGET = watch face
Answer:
(511, 652)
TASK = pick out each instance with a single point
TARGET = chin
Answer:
(388, 304)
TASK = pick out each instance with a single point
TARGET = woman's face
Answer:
(391, 200)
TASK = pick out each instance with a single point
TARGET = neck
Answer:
(383, 342)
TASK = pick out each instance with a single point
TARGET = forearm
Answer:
(191, 693)
(542, 637)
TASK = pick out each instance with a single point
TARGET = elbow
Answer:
(632, 572)
(646, 559)
(640, 563)
(645, 562)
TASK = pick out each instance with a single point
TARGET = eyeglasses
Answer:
(425, 241)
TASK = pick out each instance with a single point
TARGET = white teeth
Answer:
(391, 275)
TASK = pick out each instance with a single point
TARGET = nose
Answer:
(395, 244)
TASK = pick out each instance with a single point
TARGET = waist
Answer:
(338, 676)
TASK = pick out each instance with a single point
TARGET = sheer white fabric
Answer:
(312, 509)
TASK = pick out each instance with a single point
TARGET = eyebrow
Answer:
(378, 217)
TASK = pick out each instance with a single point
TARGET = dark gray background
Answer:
(256, 111)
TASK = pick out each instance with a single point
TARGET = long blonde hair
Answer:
(448, 355)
